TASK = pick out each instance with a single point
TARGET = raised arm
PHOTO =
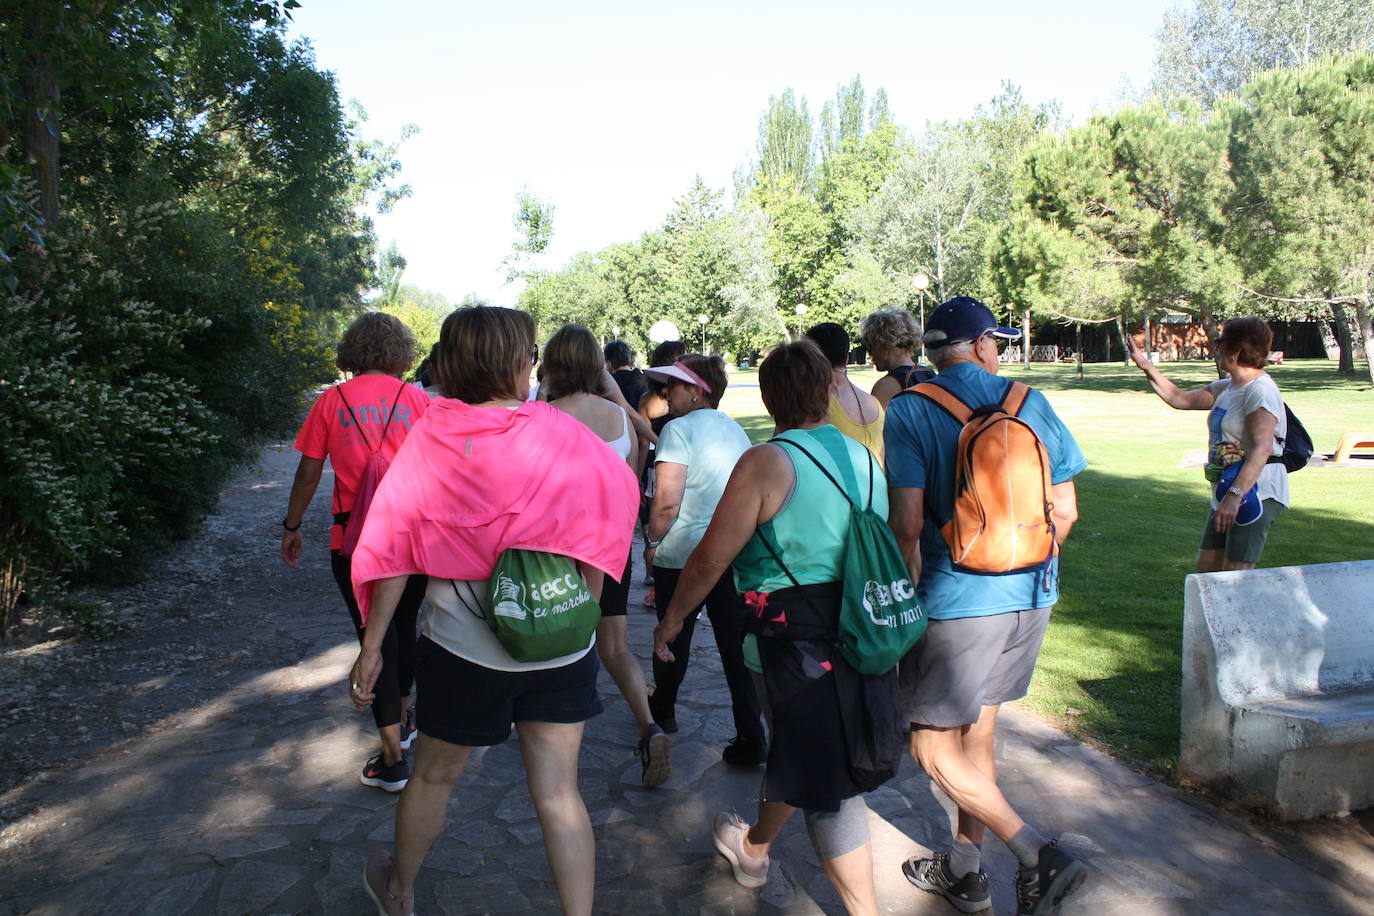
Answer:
(1169, 393)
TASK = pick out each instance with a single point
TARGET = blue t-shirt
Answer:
(921, 439)
(709, 443)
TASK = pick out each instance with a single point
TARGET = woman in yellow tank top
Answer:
(853, 411)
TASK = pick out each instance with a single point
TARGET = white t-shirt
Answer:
(709, 443)
(1226, 438)
(450, 622)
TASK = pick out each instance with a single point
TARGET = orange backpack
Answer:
(1002, 490)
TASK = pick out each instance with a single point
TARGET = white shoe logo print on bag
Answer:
(512, 599)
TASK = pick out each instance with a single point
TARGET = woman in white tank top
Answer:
(571, 376)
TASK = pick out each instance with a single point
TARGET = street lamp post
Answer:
(702, 319)
(922, 283)
(801, 312)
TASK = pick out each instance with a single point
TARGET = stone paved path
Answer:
(244, 798)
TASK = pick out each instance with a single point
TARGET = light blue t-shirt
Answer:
(921, 440)
(709, 443)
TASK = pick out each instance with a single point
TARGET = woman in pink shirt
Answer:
(372, 411)
(488, 471)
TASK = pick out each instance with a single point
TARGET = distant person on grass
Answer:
(485, 471)
(892, 337)
(985, 630)
(572, 375)
(780, 507)
(374, 410)
(1246, 426)
(853, 411)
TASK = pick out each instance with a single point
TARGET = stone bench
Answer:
(1278, 687)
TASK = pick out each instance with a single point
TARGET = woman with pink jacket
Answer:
(486, 471)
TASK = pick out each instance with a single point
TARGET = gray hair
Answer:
(943, 356)
(893, 328)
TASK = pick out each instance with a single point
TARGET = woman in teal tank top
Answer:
(777, 509)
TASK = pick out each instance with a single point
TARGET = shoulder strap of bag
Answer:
(390, 414)
(951, 402)
(774, 554)
(464, 602)
(1015, 398)
(844, 491)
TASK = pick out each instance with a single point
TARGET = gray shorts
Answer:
(1242, 543)
(962, 665)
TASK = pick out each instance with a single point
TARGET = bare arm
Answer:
(906, 518)
(754, 494)
(611, 392)
(303, 488)
(670, 481)
(1065, 511)
(885, 389)
(386, 594)
(1259, 433)
(1169, 393)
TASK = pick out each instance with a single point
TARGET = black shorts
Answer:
(466, 704)
(615, 596)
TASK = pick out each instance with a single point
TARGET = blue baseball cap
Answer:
(963, 318)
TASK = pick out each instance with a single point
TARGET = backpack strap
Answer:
(389, 416)
(844, 491)
(951, 402)
(1015, 398)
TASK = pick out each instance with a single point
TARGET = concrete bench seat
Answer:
(1278, 687)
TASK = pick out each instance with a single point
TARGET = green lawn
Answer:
(1110, 668)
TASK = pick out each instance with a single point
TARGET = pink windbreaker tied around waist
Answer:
(470, 482)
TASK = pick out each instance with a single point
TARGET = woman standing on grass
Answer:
(780, 508)
(1246, 426)
(373, 411)
(488, 470)
(572, 371)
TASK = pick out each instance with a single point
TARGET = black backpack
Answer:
(1297, 446)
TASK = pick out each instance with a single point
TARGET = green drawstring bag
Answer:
(880, 616)
(539, 607)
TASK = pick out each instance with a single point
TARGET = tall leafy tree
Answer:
(1302, 155)
(1209, 48)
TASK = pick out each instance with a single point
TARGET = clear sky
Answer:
(609, 109)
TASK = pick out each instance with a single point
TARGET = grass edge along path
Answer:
(1110, 670)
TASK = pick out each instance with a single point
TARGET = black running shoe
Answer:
(968, 894)
(1040, 890)
(745, 752)
(653, 756)
(387, 778)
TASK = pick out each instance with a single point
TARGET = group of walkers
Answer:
(479, 470)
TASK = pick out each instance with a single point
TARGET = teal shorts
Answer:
(1243, 543)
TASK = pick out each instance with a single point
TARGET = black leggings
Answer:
(725, 610)
(398, 646)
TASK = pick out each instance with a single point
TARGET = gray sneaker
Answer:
(375, 874)
(1040, 890)
(968, 894)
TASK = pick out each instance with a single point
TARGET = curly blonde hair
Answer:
(894, 328)
(376, 340)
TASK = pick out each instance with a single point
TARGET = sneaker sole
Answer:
(959, 903)
(407, 743)
(660, 764)
(1062, 885)
(382, 784)
(742, 876)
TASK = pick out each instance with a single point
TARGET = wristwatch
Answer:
(289, 527)
(1238, 491)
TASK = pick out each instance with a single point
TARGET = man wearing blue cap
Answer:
(985, 630)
